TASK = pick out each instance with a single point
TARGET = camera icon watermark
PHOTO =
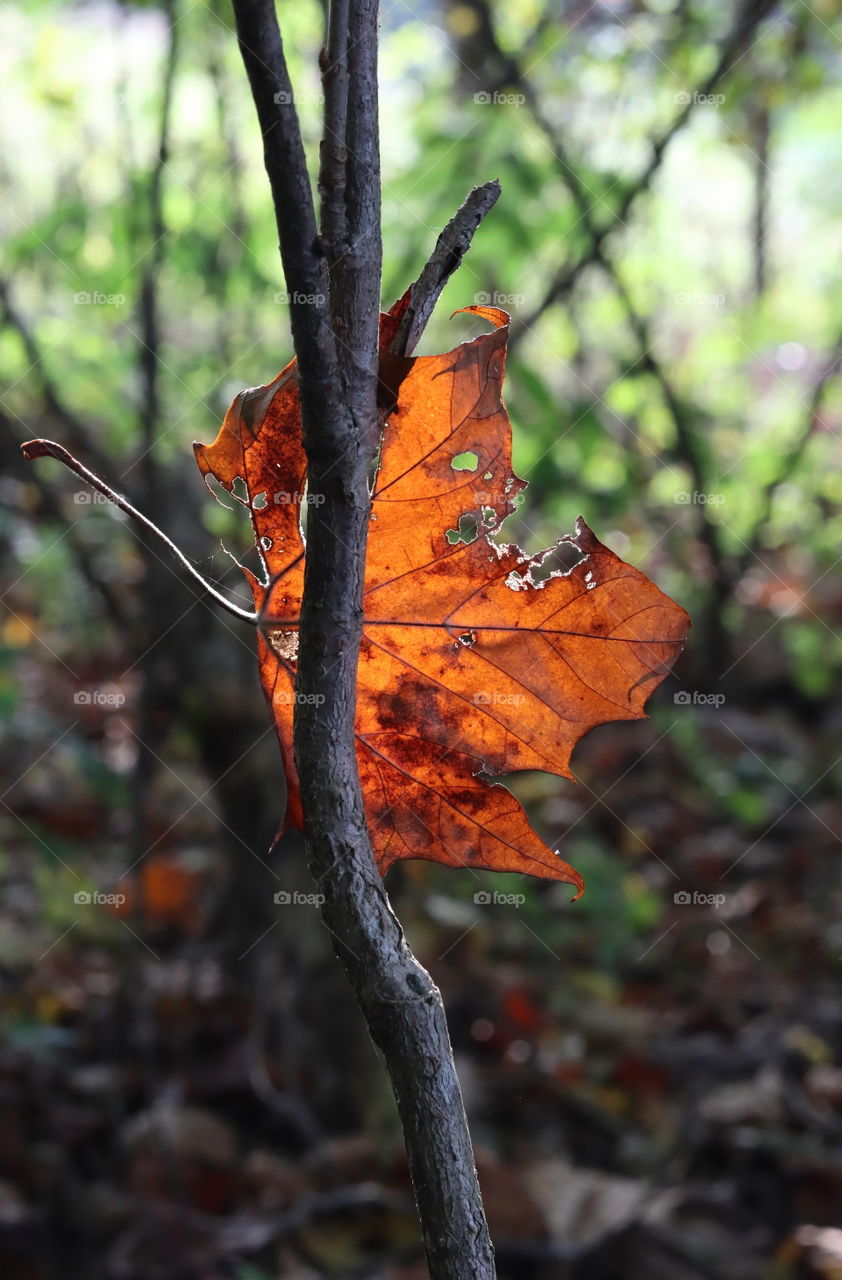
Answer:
(684, 98)
(286, 498)
(86, 298)
(285, 898)
(497, 299)
(683, 898)
(284, 99)
(484, 498)
(684, 698)
(90, 498)
(497, 99)
(684, 498)
(296, 299)
(88, 898)
(484, 698)
(493, 898)
(284, 698)
(99, 698)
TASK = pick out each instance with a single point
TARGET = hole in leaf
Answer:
(563, 557)
(468, 638)
(239, 490)
(305, 502)
(266, 544)
(259, 501)
(284, 643)
(466, 532)
(464, 461)
(487, 475)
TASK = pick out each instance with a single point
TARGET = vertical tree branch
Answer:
(760, 126)
(159, 593)
(302, 256)
(335, 284)
(334, 152)
(451, 247)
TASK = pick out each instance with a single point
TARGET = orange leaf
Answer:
(472, 659)
(168, 893)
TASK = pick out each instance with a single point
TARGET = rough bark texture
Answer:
(335, 329)
(451, 247)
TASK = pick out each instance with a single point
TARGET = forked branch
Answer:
(337, 347)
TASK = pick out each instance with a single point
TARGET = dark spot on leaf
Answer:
(415, 702)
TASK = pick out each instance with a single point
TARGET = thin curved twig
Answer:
(49, 449)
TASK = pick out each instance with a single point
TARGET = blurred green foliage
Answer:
(593, 433)
(680, 392)
(667, 243)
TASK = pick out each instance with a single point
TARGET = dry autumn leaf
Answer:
(474, 658)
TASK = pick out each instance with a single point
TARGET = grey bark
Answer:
(451, 247)
(335, 332)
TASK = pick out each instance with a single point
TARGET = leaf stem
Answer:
(49, 449)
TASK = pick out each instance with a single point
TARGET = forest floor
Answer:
(653, 1076)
